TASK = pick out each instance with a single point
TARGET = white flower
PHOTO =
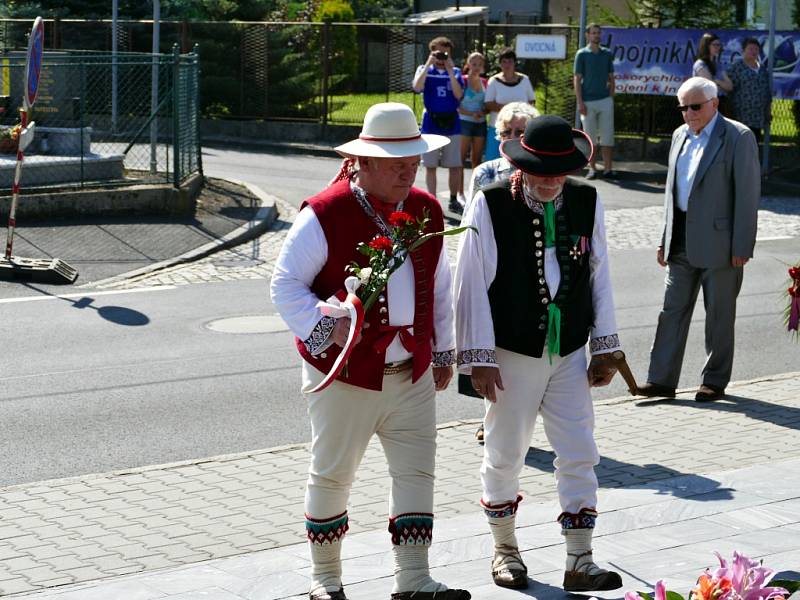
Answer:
(364, 275)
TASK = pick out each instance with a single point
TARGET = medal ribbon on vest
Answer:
(350, 307)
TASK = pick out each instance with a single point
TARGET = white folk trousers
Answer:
(343, 420)
(560, 392)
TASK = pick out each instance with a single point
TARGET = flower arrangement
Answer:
(387, 253)
(9, 138)
(742, 579)
(792, 316)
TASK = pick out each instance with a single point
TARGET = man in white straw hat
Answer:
(533, 289)
(404, 356)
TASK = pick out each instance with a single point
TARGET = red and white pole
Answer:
(12, 214)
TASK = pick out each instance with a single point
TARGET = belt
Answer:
(394, 368)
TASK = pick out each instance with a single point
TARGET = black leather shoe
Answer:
(656, 390)
(709, 393)
(581, 581)
(337, 595)
(479, 435)
(446, 595)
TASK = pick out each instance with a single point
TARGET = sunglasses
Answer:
(694, 107)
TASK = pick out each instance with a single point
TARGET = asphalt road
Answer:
(294, 177)
(104, 381)
(95, 383)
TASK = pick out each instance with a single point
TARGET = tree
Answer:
(708, 14)
(342, 43)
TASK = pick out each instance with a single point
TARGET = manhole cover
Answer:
(251, 324)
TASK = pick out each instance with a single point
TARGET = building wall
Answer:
(498, 9)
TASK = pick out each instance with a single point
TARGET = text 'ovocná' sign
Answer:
(543, 47)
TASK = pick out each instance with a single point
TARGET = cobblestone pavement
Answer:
(81, 529)
(628, 228)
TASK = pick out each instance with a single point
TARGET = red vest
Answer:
(345, 224)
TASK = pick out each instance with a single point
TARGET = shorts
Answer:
(448, 156)
(598, 123)
(473, 129)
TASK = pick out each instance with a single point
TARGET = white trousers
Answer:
(560, 392)
(345, 417)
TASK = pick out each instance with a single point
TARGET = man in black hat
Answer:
(528, 302)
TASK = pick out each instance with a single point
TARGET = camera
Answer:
(440, 55)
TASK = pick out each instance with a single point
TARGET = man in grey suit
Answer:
(711, 211)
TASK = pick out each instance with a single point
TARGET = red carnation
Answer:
(794, 272)
(399, 218)
(382, 243)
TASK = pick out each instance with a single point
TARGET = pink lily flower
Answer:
(660, 592)
(748, 579)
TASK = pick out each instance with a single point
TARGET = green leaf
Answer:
(645, 595)
(429, 236)
(673, 595)
(788, 584)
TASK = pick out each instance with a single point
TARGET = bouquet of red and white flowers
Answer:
(387, 253)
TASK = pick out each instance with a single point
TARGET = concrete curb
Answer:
(290, 447)
(229, 143)
(259, 224)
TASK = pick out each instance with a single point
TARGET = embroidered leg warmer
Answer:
(508, 570)
(325, 544)
(411, 538)
(582, 574)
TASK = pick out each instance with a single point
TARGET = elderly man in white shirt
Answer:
(709, 233)
(404, 354)
(531, 291)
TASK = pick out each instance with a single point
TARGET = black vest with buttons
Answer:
(518, 295)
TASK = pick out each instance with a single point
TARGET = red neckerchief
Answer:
(384, 209)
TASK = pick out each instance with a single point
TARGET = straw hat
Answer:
(390, 131)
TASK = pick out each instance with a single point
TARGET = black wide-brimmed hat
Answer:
(549, 147)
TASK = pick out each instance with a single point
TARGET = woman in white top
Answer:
(708, 62)
(504, 87)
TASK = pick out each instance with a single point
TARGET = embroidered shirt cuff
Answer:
(444, 359)
(319, 338)
(605, 343)
(478, 357)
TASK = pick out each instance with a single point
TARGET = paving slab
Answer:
(242, 514)
(645, 552)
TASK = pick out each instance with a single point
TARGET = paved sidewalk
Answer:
(93, 528)
(627, 228)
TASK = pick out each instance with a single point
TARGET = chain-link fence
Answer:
(331, 73)
(103, 120)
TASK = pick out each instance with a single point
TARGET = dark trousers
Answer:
(720, 289)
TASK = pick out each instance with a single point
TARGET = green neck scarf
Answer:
(553, 312)
(553, 331)
(549, 224)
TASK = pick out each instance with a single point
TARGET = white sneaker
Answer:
(591, 173)
(461, 199)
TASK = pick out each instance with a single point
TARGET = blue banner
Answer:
(657, 61)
